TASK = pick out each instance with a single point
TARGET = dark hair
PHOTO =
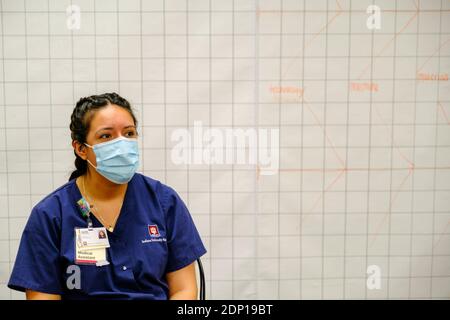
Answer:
(81, 118)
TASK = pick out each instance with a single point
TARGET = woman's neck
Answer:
(100, 188)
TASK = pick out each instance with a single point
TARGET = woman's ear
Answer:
(80, 149)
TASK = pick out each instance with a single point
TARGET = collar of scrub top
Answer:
(129, 205)
(84, 207)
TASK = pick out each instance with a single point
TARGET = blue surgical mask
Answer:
(117, 160)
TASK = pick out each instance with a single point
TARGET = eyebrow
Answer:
(111, 128)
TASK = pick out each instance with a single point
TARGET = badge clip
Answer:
(85, 210)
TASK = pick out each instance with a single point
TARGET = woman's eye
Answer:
(105, 136)
(130, 134)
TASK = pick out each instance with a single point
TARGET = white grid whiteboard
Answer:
(363, 176)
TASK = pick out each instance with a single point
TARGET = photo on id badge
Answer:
(101, 234)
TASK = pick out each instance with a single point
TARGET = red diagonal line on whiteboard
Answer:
(444, 113)
(444, 232)
(338, 12)
(322, 193)
(393, 142)
(389, 42)
(377, 231)
(439, 49)
(325, 133)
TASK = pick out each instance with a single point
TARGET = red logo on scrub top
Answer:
(153, 230)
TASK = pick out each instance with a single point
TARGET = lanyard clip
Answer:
(89, 221)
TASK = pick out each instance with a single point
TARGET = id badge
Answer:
(90, 246)
(92, 237)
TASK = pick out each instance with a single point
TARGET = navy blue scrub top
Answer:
(138, 261)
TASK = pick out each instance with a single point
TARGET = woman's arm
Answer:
(34, 295)
(183, 283)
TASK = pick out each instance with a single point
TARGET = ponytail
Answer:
(81, 167)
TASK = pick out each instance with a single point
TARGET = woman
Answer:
(58, 258)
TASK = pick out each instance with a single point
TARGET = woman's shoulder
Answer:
(53, 203)
(162, 190)
(154, 183)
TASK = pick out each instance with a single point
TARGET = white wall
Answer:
(364, 171)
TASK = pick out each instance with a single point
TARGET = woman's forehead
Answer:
(111, 116)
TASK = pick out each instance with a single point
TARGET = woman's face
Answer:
(109, 123)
